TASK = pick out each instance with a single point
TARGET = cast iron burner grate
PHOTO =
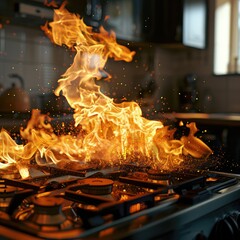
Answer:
(13, 192)
(67, 204)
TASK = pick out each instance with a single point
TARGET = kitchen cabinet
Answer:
(152, 21)
(179, 22)
(27, 13)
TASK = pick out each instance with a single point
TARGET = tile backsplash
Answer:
(29, 53)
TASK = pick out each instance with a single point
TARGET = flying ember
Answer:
(108, 133)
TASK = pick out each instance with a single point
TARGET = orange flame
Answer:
(110, 133)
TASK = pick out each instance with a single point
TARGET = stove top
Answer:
(114, 203)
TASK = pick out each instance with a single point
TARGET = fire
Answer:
(108, 132)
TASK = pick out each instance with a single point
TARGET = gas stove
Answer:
(122, 202)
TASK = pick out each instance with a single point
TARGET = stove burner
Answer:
(6, 194)
(97, 186)
(45, 214)
(47, 211)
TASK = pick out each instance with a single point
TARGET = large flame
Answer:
(108, 132)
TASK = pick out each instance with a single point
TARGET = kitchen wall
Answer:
(29, 53)
(177, 63)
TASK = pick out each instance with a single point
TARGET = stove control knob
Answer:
(200, 236)
(225, 228)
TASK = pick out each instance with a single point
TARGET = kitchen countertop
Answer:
(227, 119)
(14, 122)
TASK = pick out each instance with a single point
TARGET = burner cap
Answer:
(47, 201)
(158, 174)
(97, 186)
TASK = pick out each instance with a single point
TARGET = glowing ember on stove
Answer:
(110, 133)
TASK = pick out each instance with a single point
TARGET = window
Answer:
(226, 37)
